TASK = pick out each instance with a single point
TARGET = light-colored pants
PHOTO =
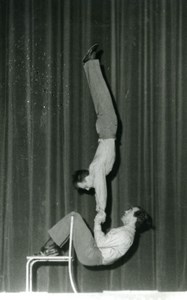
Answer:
(106, 124)
(83, 241)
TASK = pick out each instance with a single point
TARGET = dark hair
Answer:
(79, 176)
(144, 220)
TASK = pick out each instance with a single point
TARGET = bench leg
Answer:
(29, 274)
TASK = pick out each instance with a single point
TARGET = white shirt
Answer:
(101, 166)
(115, 243)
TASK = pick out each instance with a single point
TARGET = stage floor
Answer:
(106, 295)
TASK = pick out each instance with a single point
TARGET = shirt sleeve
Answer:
(98, 234)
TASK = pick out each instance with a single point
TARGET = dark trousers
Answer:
(106, 124)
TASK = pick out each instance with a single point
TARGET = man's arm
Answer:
(100, 190)
(98, 233)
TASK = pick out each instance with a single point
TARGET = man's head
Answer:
(82, 180)
(137, 216)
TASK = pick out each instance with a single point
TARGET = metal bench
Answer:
(32, 260)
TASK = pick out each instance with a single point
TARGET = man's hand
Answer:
(97, 208)
(100, 217)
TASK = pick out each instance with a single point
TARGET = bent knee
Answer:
(76, 214)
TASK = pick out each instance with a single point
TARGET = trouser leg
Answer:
(83, 241)
(61, 230)
(106, 124)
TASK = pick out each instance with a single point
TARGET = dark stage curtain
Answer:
(47, 131)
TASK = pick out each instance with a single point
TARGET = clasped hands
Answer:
(100, 217)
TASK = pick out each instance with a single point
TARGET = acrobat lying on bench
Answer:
(100, 249)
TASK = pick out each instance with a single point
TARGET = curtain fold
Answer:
(47, 131)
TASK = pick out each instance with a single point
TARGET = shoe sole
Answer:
(89, 52)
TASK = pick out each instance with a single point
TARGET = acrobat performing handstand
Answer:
(100, 248)
(106, 127)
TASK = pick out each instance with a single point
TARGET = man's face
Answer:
(85, 184)
(128, 217)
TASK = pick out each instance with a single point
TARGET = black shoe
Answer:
(91, 54)
(49, 251)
